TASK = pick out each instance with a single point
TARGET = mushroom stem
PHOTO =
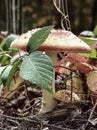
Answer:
(48, 101)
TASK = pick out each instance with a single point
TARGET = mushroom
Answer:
(57, 41)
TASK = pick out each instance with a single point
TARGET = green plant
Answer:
(37, 65)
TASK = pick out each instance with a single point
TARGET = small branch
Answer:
(56, 127)
(71, 86)
(91, 113)
(93, 109)
(19, 118)
(66, 113)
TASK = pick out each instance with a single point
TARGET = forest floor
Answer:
(22, 113)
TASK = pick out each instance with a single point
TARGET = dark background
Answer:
(38, 13)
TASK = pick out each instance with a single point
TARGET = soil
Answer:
(22, 113)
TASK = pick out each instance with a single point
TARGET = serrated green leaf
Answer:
(90, 42)
(12, 72)
(38, 38)
(37, 68)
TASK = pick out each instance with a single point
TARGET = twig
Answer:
(66, 113)
(93, 109)
(15, 122)
(71, 86)
(91, 113)
(56, 127)
(28, 119)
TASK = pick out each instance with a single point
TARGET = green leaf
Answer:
(12, 72)
(38, 38)
(90, 42)
(95, 31)
(37, 68)
(4, 73)
(3, 44)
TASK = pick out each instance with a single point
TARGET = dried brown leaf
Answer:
(75, 58)
(65, 96)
